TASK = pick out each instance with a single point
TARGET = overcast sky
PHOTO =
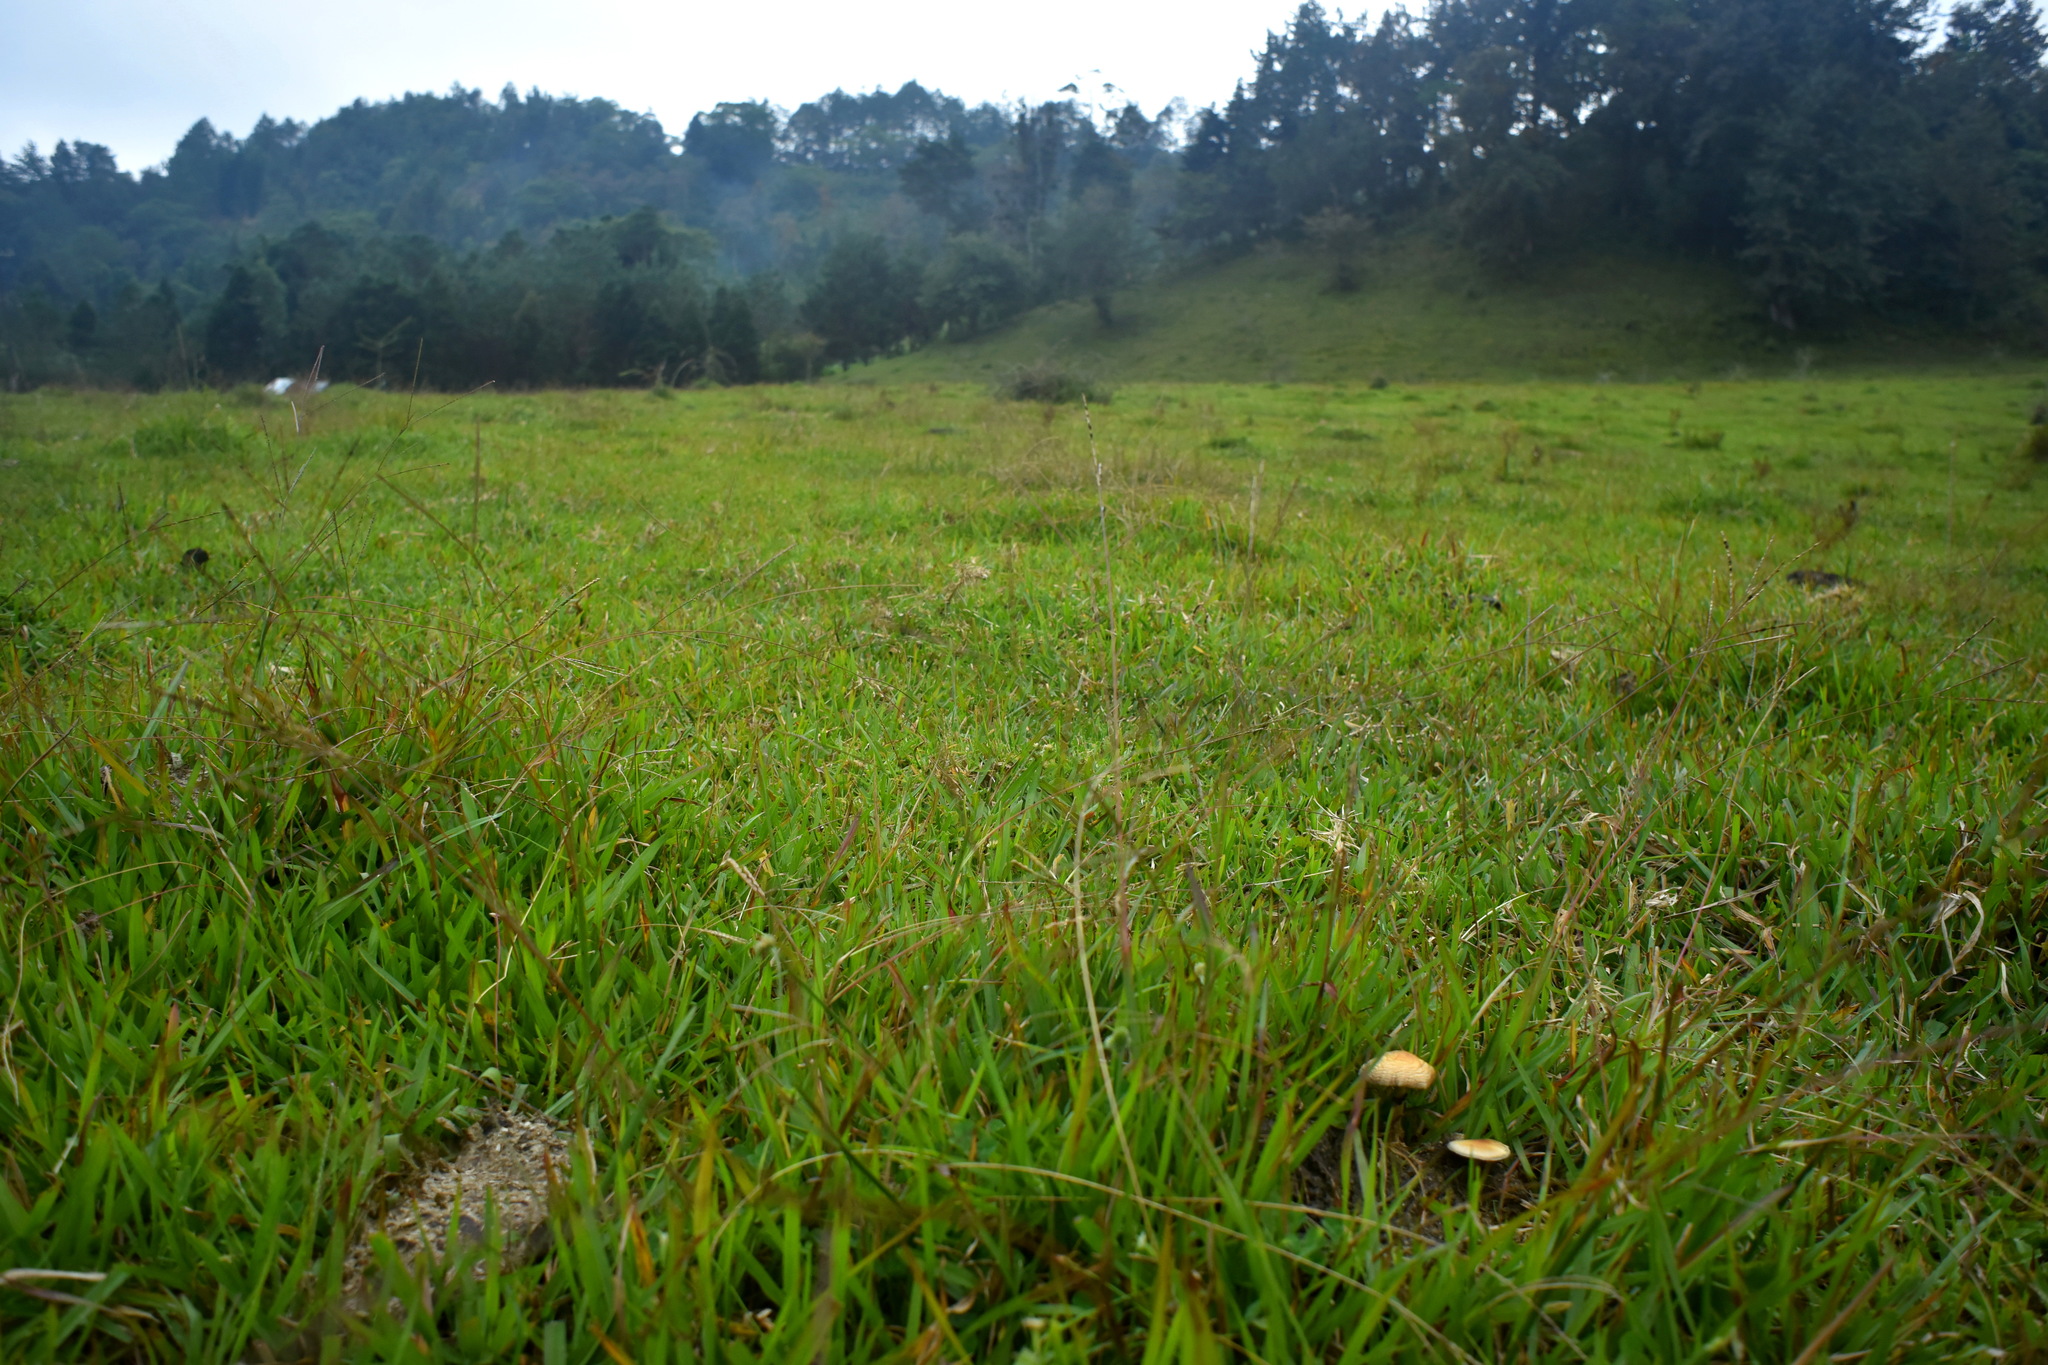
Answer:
(134, 74)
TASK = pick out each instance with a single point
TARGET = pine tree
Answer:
(81, 332)
(939, 178)
(735, 344)
(234, 329)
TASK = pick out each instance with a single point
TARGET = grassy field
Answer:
(1426, 312)
(944, 890)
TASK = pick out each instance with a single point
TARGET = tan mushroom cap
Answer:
(1480, 1149)
(1402, 1071)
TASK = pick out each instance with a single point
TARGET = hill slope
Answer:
(1424, 311)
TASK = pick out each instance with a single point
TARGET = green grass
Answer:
(953, 911)
(1425, 311)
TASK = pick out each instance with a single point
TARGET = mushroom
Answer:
(1480, 1149)
(1401, 1071)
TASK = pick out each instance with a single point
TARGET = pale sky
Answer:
(134, 74)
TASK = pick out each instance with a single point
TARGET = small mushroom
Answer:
(1401, 1071)
(1480, 1149)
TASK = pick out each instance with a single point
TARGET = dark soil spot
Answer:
(1417, 1186)
(506, 1164)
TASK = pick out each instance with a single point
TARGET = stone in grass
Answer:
(1401, 1071)
(506, 1164)
(1480, 1149)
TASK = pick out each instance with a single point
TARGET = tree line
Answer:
(1843, 154)
(902, 217)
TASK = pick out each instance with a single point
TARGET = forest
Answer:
(1851, 158)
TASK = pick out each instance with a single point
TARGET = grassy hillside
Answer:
(1425, 311)
(873, 884)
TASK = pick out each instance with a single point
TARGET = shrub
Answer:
(170, 437)
(1052, 381)
(2034, 446)
(791, 358)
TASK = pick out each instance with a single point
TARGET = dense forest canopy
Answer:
(1845, 154)
(1844, 151)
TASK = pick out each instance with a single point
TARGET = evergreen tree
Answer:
(735, 344)
(939, 178)
(199, 166)
(234, 329)
(1098, 168)
(141, 343)
(736, 141)
(863, 303)
(81, 330)
(1030, 175)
